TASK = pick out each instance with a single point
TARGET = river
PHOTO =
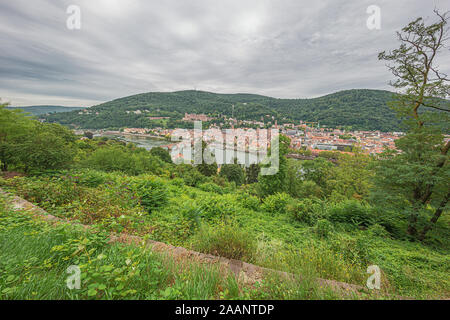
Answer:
(148, 143)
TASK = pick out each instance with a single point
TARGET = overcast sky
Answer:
(279, 48)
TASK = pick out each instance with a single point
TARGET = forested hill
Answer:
(39, 110)
(361, 109)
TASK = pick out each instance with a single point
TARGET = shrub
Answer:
(162, 154)
(309, 189)
(47, 192)
(207, 169)
(251, 189)
(99, 206)
(119, 158)
(378, 230)
(225, 240)
(392, 221)
(211, 187)
(248, 201)
(193, 214)
(151, 191)
(352, 212)
(193, 178)
(89, 178)
(354, 250)
(276, 203)
(306, 210)
(3, 182)
(233, 173)
(323, 228)
(220, 181)
(216, 206)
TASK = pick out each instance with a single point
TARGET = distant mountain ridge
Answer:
(360, 109)
(40, 110)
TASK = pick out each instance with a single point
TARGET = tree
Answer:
(205, 168)
(294, 177)
(352, 176)
(317, 170)
(161, 153)
(251, 173)
(270, 184)
(13, 124)
(418, 172)
(233, 173)
(44, 147)
(88, 134)
(120, 158)
(30, 145)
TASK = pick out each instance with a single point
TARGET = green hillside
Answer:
(360, 109)
(40, 110)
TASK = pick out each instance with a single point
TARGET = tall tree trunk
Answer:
(440, 164)
(435, 217)
(412, 230)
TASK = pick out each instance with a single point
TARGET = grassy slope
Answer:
(410, 269)
(35, 256)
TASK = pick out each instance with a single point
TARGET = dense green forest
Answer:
(356, 109)
(40, 110)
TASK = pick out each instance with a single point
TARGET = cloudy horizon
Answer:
(283, 49)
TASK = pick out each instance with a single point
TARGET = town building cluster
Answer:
(304, 136)
(318, 139)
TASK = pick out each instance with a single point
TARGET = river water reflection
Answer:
(148, 143)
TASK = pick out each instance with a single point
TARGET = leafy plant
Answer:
(225, 240)
(306, 210)
(323, 228)
(276, 203)
(151, 191)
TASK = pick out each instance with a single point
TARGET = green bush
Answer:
(392, 221)
(89, 178)
(225, 240)
(248, 201)
(47, 192)
(378, 230)
(3, 182)
(276, 203)
(308, 189)
(306, 210)
(211, 187)
(177, 182)
(151, 191)
(355, 250)
(193, 214)
(251, 189)
(162, 154)
(119, 158)
(233, 173)
(216, 206)
(101, 206)
(323, 228)
(194, 178)
(352, 212)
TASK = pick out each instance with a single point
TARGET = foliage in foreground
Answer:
(333, 241)
(35, 258)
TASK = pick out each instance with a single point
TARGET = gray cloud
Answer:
(281, 48)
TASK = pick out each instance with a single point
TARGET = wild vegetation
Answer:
(314, 218)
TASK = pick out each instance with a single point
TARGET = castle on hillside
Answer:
(196, 117)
